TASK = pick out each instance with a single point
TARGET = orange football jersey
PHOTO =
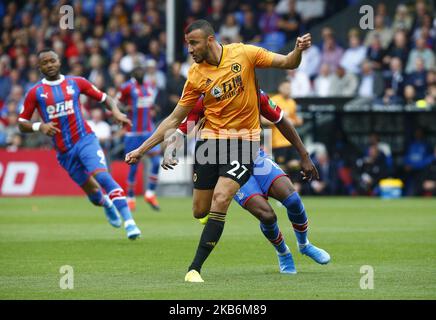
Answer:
(230, 92)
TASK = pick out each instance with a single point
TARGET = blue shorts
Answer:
(265, 172)
(84, 159)
(133, 142)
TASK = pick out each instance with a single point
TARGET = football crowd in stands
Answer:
(394, 63)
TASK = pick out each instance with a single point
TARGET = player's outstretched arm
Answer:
(288, 130)
(165, 129)
(292, 60)
(120, 117)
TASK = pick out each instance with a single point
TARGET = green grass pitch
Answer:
(39, 235)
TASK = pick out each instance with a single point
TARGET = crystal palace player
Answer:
(139, 98)
(268, 179)
(56, 97)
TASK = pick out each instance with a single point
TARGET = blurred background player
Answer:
(285, 156)
(56, 97)
(139, 97)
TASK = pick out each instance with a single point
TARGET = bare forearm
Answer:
(25, 126)
(293, 59)
(165, 129)
(289, 132)
(111, 104)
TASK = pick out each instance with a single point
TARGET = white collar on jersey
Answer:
(55, 82)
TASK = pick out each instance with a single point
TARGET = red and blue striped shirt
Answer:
(58, 102)
(140, 100)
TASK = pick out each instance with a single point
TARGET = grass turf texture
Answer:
(39, 235)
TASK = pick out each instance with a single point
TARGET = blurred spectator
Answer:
(344, 84)
(403, 20)
(300, 83)
(427, 31)
(420, 12)
(410, 95)
(375, 53)
(216, 17)
(343, 156)
(5, 83)
(420, 51)
(250, 31)
(355, 54)
(331, 52)
(269, 19)
(428, 178)
(381, 11)
(290, 22)
(132, 58)
(229, 31)
(323, 82)
(16, 142)
(417, 157)
(369, 171)
(380, 30)
(156, 54)
(154, 78)
(326, 184)
(175, 84)
(96, 65)
(310, 61)
(398, 48)
(395, 80)
(311, 11)
(197, 11)
(371, 82)
(418, 78)
(284, 155)
(100, 127)
(384, 149)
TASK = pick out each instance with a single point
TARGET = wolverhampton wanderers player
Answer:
(229, 140)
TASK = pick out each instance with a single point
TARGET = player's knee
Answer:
(200, 209)
(266, 214)
(222, 199)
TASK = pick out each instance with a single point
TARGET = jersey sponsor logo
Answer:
(230, 88)
(236, 67)
(216, 91)
(61, 109)
(145, 102)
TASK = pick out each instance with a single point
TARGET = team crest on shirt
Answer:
(216, 91)
(240, 195)
(236, 67)
(70, 90)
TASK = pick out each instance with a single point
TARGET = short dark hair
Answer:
(201, 24)
(45, 50)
